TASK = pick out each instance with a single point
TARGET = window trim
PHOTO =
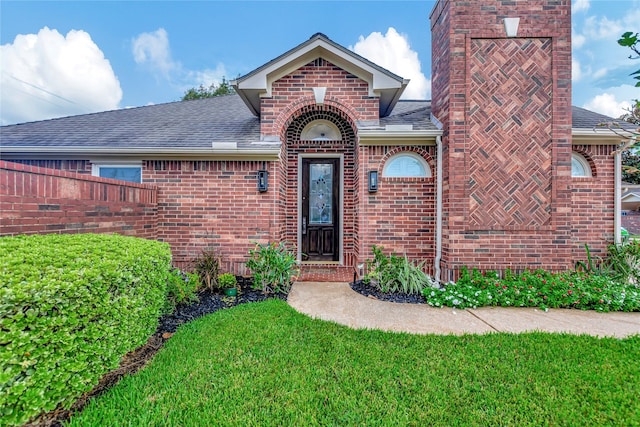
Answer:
(96, 166)
(418, 157)
(582, 160)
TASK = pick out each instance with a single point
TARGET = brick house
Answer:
(316, 149)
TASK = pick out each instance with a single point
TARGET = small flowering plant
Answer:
(536, 289)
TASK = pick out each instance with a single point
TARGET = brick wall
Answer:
(345, 91)
(592, 202)
(213, 204)
(401, 215)
(38, 200)
(507, 133)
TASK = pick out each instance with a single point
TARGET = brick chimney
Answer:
(501, 86)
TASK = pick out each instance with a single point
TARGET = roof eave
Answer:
(596, 136)
(368, 137)
(382, 83)
(9, 153)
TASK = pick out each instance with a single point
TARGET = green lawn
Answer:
(263, 364)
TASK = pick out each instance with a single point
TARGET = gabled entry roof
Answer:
(382, 83)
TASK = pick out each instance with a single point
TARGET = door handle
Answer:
(304, 225)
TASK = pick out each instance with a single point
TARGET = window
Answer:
(131, 172)
(579, 166)
(406, 165)
(320, 130)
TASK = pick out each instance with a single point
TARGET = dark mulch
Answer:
(371, 292)
(208, 302)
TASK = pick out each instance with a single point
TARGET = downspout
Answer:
(438, 209)
(618, 196)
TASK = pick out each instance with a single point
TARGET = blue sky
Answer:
(72, 57)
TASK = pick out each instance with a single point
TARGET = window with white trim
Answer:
(579, 166)
(131, 172)
(406, 165)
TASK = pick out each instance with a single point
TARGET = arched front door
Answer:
(320, 227)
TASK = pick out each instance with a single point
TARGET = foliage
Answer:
(273, 267)
(71, 306)
(624, 262)
(181, 289)
(572, 289)
(632, 41)
(395, 273)
(264, 364)
(227, 281)
(207, 267)
(223, 88)
(591, 266)
(630, 167)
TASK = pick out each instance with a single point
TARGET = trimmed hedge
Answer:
(70, 307)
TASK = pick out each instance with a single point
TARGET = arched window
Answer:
(579, 166)
(320, 130)
(406, 165)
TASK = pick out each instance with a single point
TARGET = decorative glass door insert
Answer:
(320, 194)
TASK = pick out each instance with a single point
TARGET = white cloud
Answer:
(601, 72)
(580, 5)
(393, 52)
(602, 28)
(607, 104)
(577, 40)
(576, 70)
(48, 75)
(152, 49)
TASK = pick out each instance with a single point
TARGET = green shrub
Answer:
(394, 273)
(624, 262)
(273, 267)
(539, 288)
(70, 307)
(207, 267)
(181, 289)
(227, 281)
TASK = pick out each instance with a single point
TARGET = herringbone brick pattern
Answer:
(510, 133)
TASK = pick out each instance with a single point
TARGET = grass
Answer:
(264, 364)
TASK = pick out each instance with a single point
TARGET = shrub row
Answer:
(70, 307)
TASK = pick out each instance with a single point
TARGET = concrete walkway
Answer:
(337, 302)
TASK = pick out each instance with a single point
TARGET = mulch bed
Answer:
(208, 302)
(371, 292)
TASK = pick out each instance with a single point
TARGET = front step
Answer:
(325, 273)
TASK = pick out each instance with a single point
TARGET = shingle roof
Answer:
(585, 119)
(192, 125)
(188, 124)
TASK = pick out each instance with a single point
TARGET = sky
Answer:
(61, 58)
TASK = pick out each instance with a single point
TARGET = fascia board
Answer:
(9, 153)
(597, 136)
(387, 137)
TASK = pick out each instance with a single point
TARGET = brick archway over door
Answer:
(345, 149)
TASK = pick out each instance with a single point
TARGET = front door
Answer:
(320, 217)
